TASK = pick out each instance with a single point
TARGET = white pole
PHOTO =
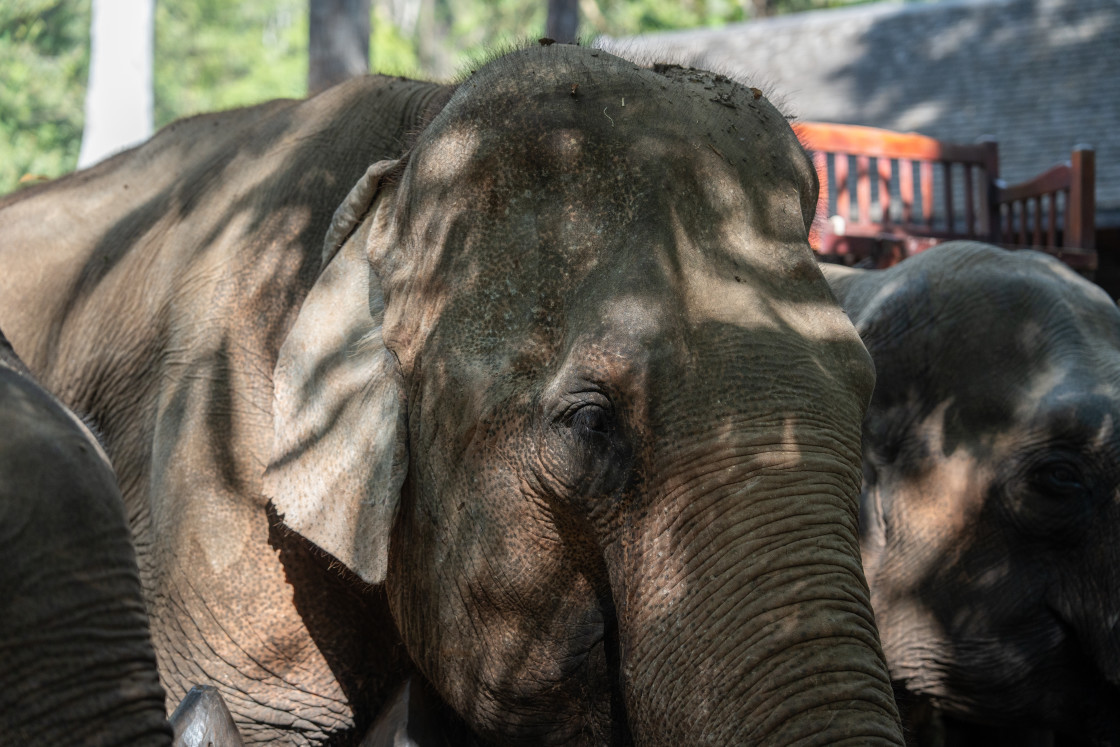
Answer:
(119, 96)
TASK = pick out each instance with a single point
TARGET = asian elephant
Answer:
(990, 515)
(561, 414)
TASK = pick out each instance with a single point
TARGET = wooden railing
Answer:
(911, 191)
(1054, 209)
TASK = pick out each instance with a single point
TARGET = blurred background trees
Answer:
(338, 42)
(44, 63)
(216, 54)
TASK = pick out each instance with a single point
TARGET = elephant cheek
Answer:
(504, 623)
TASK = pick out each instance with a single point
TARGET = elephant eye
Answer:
(1058, 499)
(586, 411)
(1060, 478)
(591, 418)
(586, 454)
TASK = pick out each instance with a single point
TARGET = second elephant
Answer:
(77, 659)
(990, 514)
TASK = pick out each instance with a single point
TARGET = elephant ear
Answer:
(339, 451)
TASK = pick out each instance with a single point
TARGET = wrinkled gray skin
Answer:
(990, 517)
(76, 660)
(564, 399)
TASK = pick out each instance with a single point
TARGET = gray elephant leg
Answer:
(202, 720)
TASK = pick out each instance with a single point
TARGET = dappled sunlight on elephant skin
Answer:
(445, 159)
(990, 514)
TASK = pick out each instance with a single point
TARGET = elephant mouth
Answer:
(595, 656)
(1090, 695)
(1036, 676)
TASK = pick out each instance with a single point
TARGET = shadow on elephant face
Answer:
(991, 509)
(604, 461)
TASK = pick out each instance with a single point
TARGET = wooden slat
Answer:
(1081, 207)
(1051, 180)
(871, 141)
(863, 188)
(906, 189)
(989, 207)
(884, 167)
(947, 168)
(925, 169)
(843, 196)
(1052, 221)
(1036, 234)
(969, 208)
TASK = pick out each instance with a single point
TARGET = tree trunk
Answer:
(119, 96)
(434, 59)
(338, 47)
(563, 20)
(761, 8)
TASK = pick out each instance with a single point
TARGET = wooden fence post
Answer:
(989, 205)
(1081, 214)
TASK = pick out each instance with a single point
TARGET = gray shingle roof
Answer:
(1039, 75)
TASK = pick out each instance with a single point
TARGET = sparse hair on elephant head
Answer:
(990, 509)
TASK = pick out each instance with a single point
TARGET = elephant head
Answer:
(572, 388)
(991, 500)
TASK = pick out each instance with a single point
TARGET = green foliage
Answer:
(390, 51)
(620, 18)
(44, 64)
(218, 54)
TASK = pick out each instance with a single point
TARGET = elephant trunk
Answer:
(743, 614)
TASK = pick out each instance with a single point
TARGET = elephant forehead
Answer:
(533, 257)
(584, 197)
(645, 141)
(1073, 403)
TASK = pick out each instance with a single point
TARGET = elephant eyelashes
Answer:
(588, 413)
(1061, 478)
(592, 419)
(589, 455)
